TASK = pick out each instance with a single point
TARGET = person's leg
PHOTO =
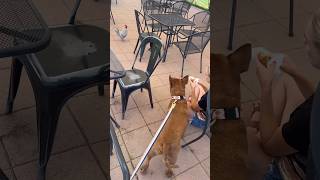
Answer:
(286, 97)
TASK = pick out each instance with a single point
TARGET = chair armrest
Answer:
(120, 157)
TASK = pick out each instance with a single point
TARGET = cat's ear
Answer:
(241, 57)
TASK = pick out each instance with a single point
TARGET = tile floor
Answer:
(141, 121)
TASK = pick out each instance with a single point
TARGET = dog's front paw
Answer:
(143, 169)
(169, 173)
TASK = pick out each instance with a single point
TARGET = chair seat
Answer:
(75, 52)
(193, 48)
(144, 35)
(186, 32)
(134, 77)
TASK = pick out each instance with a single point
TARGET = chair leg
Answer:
(134, 52)
(232, 23)
(124, 102)
(201, 62)
(101, 90)
(182, 65)
(114, 87)
(47, 118)
(291, 18)
(16, 69)
(150, 94)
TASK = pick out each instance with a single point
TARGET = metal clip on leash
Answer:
(155, 137)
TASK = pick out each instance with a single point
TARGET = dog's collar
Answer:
(178, 97)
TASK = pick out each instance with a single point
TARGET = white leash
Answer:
(155, 137)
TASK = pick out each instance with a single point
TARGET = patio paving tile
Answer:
(76, 164)
(90, 112)
(142, 98)
(3, 163)
(132, 120)
(200, 148)
(117, 107)
(152, 114)
(194, 173)
(186, 160)
(206, 166)
(156, 170)
(21, 138)
(137, 141)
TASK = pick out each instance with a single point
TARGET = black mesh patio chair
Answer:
(201, 21)
(137, 79)
(194, 43)
(75, 60)
(233, 19)
(209, 121)
(180, 7)
(142, 28)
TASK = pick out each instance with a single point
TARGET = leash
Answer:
(155, 137)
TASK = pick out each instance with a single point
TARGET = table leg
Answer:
(165, 50)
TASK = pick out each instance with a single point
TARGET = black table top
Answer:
(22, 29)
(116, 68)
(171, 20)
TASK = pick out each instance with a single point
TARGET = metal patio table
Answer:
(174, 22)
(117, 71)
(22, 31)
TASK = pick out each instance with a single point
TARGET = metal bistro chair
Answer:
(201, 21)
(137, 79)
(209, 121)
(180, 7)
(75, 60)
(194, 43)
(233, 19)
(143, 29)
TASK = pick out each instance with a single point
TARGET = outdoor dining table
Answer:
(174, 22)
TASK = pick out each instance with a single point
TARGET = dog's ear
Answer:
(241, 58)
(185, 79)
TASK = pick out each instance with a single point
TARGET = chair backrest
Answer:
(141, 22)
(155, 51)
(201, 20)
(200, 39)
(151, 7)
(181, 7)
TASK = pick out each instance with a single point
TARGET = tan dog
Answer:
(229, 144)
(168, 143)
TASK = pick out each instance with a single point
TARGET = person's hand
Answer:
(265, 74)
(288, 66)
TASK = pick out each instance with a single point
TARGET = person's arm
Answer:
(306, 87)
(272, 141)
(194, 99)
